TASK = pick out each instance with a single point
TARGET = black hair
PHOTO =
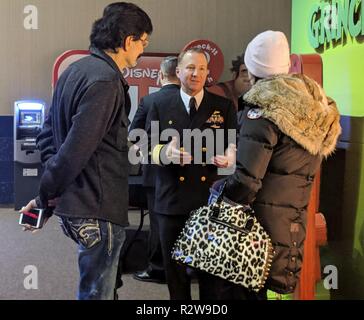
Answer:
(168, 66)
(119, 20)
(237, 63)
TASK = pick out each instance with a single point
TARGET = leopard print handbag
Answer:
(226, 240)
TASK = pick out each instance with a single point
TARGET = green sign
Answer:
(341, 52)
(332, 21)
(335, 30)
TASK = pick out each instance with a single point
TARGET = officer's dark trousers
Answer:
(155, 257)
(179, 282)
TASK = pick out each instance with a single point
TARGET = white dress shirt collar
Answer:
(186, 99)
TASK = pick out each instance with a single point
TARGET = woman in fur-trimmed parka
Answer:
(288, 127)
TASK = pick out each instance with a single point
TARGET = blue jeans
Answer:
(99, 245)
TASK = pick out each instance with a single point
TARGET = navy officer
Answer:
(188, 167)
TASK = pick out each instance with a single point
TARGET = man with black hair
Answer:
(84, 149)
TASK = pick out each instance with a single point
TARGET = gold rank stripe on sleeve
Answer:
(156, 154)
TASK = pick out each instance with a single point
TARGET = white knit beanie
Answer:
(268, 54)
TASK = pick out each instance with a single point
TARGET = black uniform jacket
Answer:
(181, 189)
(84, 142)
(139, 122)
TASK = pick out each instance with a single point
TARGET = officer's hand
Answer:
(228, 160)
(177, 156)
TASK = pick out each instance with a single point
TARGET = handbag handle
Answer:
(217, 205)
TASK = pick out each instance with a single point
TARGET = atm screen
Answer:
(30, 118)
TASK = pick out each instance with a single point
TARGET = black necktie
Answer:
(192, 106)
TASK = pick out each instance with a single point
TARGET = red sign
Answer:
(143, 79)
(64, 60)
(215, 59)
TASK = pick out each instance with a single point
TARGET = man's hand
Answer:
(31, 205)
(228, 160)
(177, 156)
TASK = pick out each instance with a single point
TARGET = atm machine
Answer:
(28, 121)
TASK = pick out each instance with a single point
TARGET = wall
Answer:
(342, 192)
(27, 56)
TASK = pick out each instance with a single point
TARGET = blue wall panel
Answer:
(6, 160)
